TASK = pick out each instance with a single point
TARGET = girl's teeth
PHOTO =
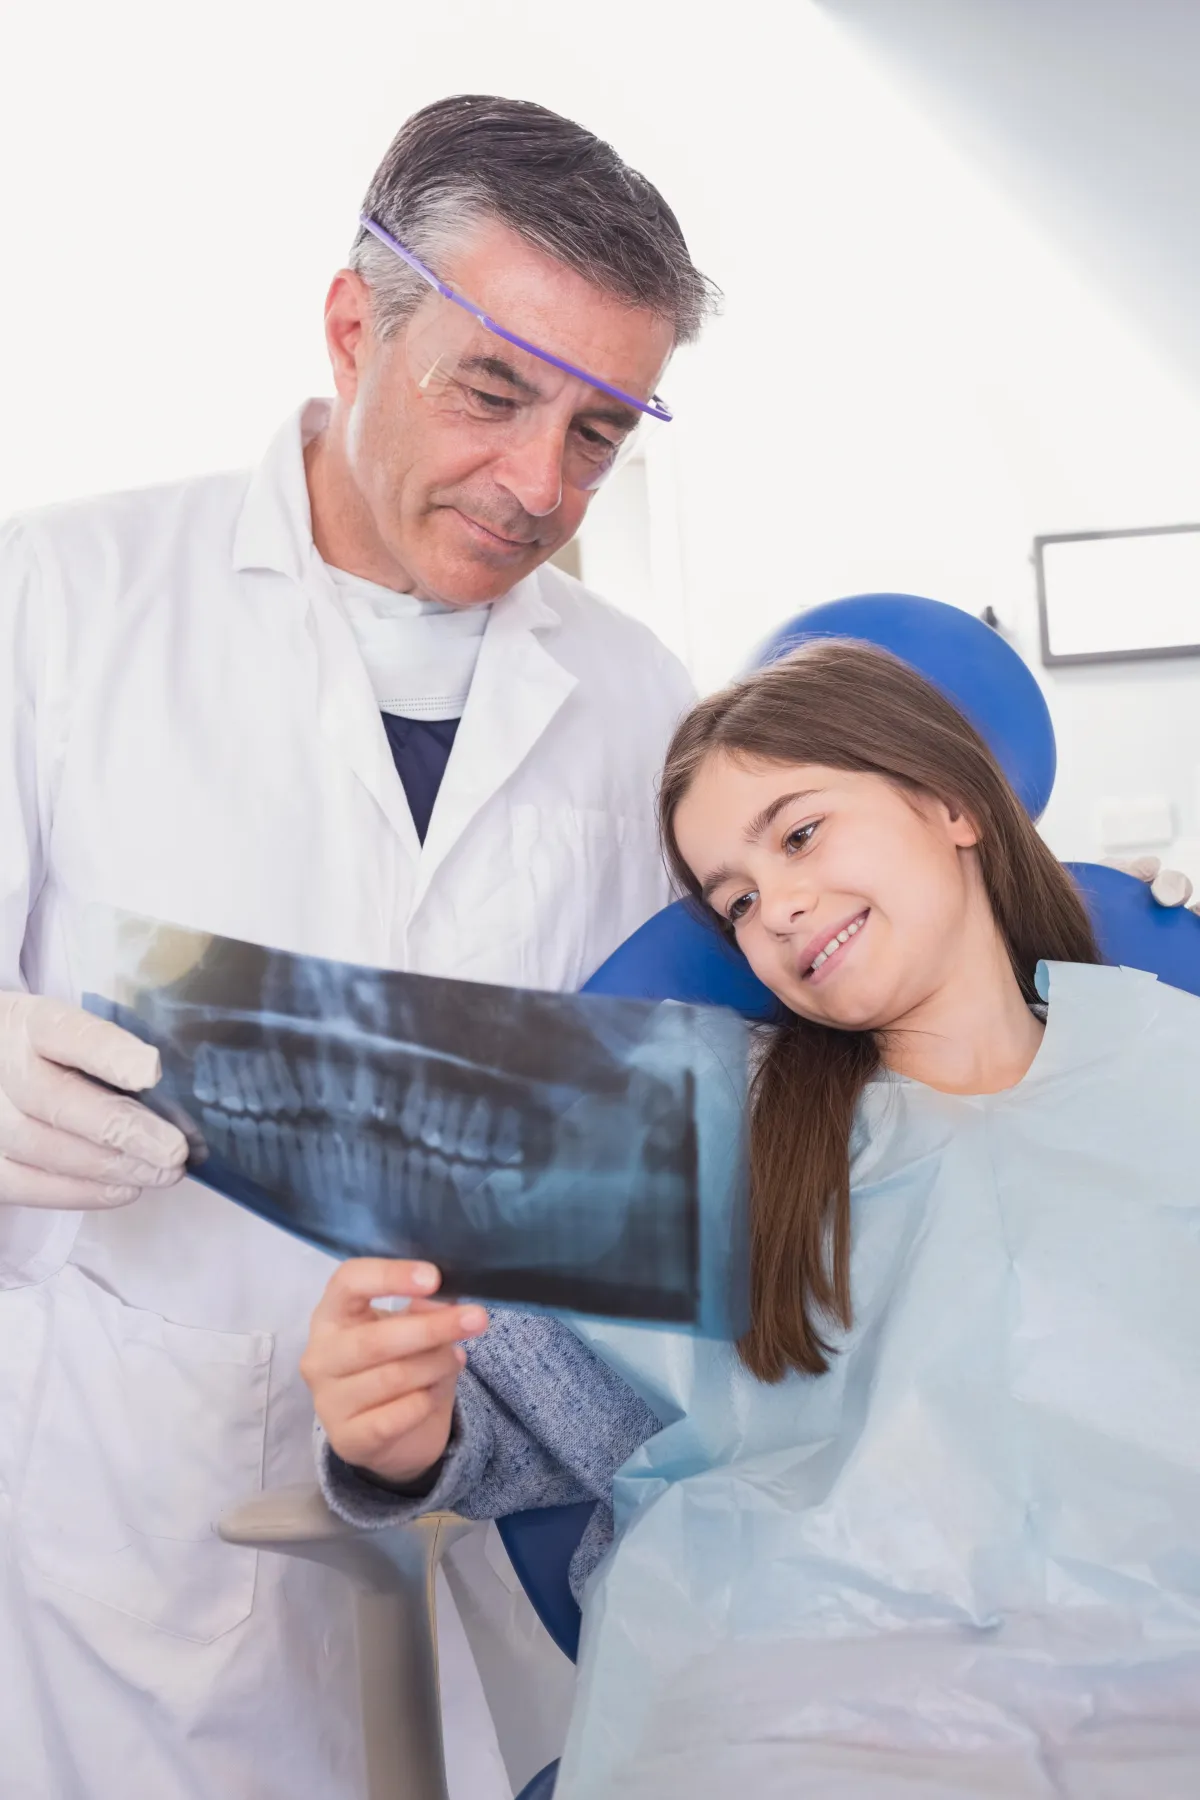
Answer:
(835, 943)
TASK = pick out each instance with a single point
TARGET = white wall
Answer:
(1071, 136)
(911, 380)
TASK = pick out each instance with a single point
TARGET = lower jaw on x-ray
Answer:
(541, 1149)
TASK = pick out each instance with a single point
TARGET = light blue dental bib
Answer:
(966, 1562)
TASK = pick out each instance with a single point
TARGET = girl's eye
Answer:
(738, 908)
(803, 835)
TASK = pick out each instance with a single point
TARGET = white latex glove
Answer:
(65, 1142)
(1169, 886)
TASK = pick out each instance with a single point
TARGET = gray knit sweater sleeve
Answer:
(539, 1421)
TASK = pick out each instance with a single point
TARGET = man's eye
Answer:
(595, 445)
(500, 406)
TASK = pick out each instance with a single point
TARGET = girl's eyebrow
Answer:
(759, 823)
(753, 832)
(715, 880)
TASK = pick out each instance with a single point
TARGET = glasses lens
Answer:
(479, 382)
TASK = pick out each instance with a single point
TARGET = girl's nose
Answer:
(784, 906)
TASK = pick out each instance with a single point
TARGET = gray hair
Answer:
(475, 157)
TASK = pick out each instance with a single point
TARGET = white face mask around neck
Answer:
(419, 654)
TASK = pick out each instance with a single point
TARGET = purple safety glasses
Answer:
(651, 409)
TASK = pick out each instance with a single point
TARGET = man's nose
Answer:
(532, 471)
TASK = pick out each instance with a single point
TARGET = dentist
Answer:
(342, 705)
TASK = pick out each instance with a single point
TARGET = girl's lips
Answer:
(817, 962)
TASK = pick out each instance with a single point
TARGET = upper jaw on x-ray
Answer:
(534, 1146)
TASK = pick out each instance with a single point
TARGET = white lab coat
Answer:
(187, 731)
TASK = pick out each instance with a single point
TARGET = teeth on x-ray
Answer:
(279, 1091)
(507, 1148)
(452, 1120)
(413, 1116)
(272, 1151)
(204, 1081)
(377, 1114)
(474, 1143)
(246, 1143)
(373, 1095)
(431, 1122)
(309, 1076)
(265, 1086)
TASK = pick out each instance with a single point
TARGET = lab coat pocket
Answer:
(592, 878)
(146, 1432)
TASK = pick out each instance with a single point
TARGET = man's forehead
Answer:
(533, 294)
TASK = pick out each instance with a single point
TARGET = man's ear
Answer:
(347, 329)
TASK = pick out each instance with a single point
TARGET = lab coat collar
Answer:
(274, 528)
(517, 689)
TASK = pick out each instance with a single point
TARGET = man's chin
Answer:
(469, 580)
(467, 566)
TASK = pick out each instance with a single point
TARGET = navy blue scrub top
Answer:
(420, 750)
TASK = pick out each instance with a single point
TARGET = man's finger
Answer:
(37, 1146)
(364, 1279)
(70, 1102)
(1171, 888)
(75, 1039)
(1142, 868)
(20, 1186)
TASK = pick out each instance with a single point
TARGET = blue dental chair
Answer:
(678, 955)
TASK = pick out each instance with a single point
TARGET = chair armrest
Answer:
(394, 1569)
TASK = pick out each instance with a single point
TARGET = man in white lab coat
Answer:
(342, 705)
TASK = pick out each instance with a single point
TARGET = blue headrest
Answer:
(966, 659)
(1132, 928)
(677, 955)
(680, 955)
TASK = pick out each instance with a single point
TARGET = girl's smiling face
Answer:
(852, 899)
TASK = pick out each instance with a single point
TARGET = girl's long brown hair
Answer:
(845, 705)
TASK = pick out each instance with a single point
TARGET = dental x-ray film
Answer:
(572, 1153)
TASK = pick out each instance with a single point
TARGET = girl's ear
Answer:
(961, 829)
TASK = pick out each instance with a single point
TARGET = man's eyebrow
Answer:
(605, 412)
(622, 417)
(752, 833)
(499, 370)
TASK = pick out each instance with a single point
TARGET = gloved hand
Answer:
(1168, 886)
(63, 1141)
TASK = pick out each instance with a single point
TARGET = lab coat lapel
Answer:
(347, 711)
(274, 531)
(517, 689)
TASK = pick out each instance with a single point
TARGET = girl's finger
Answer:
(363, 1279)
(373, 1388)
(346, 1350)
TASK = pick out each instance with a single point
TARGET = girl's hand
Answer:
(383, 1383)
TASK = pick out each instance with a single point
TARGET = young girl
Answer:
(934, 1528)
